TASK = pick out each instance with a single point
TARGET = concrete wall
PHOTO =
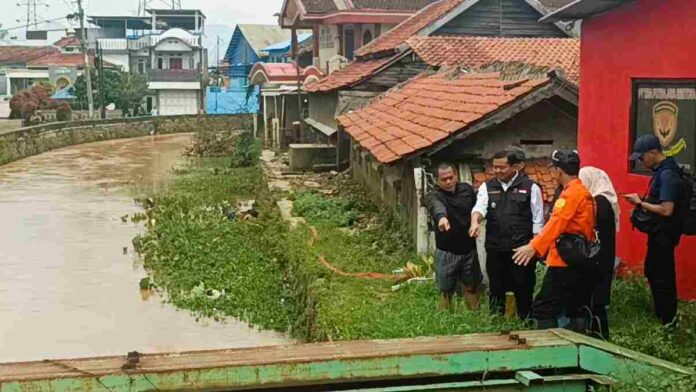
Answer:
(393, 186)
(304, 157)
(41, 138)
(322, 107)
(542, 128)
(121, 59)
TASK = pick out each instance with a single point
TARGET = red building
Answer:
(638, 67)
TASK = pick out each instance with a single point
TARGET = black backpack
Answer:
(688, 205)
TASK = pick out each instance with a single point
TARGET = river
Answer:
(68, 288)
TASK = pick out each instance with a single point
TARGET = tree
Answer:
(112, 87)
(133, 90)
(27, 101)
(3, 33)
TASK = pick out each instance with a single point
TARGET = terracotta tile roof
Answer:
(58, 59)
(537, 169)
(387, 42)
(319, 6)
(67, 41)
(280, 73)
(474, 52)
(353, 73)
(392, 5)
(22, 54)
(430, 109)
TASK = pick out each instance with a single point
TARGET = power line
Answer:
(18, 27)
(32, 11)
(143, 5)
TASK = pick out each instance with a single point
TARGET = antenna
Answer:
(144, 5)
(176, 4)
(32, 13)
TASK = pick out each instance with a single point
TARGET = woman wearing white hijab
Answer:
(598, 183)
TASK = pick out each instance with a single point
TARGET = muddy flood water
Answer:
(66, 287)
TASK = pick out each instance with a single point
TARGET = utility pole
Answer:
(85, 52)
(295, 52)
(100, 68)
(219, 74)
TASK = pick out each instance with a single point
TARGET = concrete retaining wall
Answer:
(305, 157)
(41, 138)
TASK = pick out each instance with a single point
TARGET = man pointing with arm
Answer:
(456, 260)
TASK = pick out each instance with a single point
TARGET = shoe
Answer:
(547, 324)
(673, 325)
(579, 325)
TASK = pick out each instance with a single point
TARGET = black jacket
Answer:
(606, 228)
(509, 219)
(456, 207)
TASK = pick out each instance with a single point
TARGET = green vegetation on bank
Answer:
(259, 270)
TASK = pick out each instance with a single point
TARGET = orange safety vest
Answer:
(573, 213)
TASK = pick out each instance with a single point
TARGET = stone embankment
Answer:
(34, 140)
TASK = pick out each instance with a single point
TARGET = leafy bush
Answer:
(64, 112)
(26, 102)
(247, 151)
(321, 210)
(217, 139)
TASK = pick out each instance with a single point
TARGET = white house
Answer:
(166, 47)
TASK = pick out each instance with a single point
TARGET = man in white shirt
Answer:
(513, 207)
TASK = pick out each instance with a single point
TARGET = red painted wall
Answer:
(645, 39)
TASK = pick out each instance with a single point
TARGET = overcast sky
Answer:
(228, 12)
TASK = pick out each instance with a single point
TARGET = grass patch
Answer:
(210, 264)
(321, 210)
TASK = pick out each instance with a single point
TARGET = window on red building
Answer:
(667, 109)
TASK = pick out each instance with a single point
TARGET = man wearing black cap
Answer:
(661, 204)
(565, 288)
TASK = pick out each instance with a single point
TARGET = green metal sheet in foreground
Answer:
(327, 363)
(565, 383)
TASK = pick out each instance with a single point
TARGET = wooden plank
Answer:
(296, 353)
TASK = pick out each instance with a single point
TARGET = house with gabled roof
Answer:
(390, 59)
(343, 26)
(462, 116)
(59, 64)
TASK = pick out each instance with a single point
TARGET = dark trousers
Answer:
(504, 275)
(563, 290)
(659, 269)
(599, 324)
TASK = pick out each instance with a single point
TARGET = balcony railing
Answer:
(143, 42)
(113, 43)
(174, 75)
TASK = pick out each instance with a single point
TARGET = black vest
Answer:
(509, 218)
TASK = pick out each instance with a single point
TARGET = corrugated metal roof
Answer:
(285, 45)
(581, 9)
(262, 36)
(392, 5)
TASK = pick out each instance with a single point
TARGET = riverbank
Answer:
(329, 279)
(37, 139)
